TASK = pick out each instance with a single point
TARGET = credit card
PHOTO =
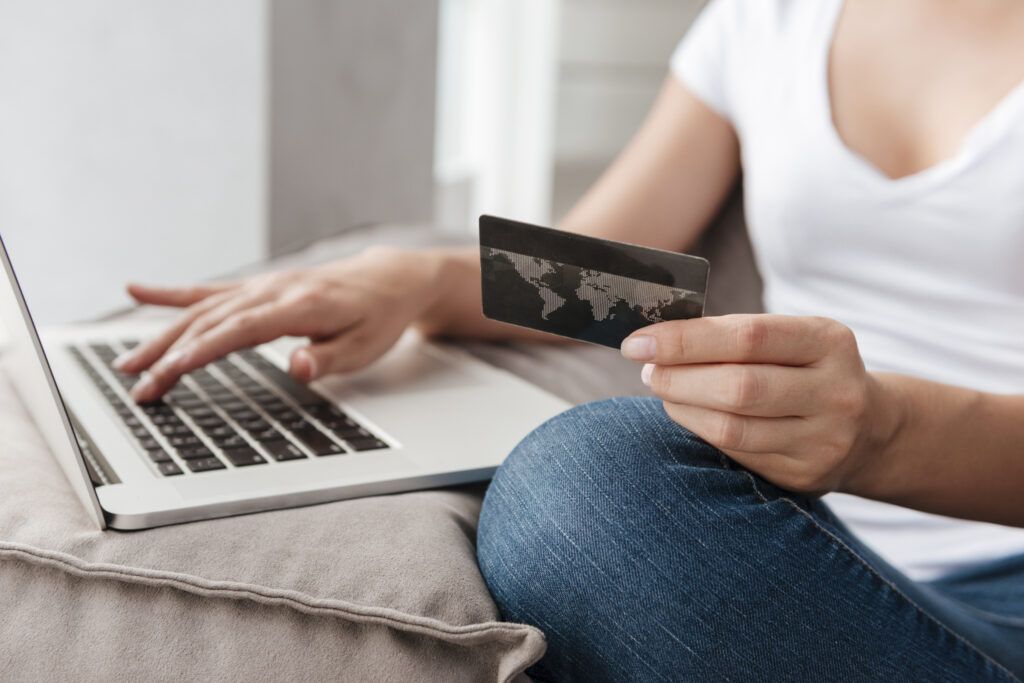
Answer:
(586, 288)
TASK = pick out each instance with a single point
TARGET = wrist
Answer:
(449, 276)
(874, 456)
(414, 277)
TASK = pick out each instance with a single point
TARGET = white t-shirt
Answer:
(927, 270)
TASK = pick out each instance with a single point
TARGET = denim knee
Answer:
(593, 499)
(643, 553)
(557, 470)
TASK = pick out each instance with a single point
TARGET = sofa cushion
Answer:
(380, 588)
(735, 284)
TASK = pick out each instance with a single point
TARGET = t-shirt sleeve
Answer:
(706, 56)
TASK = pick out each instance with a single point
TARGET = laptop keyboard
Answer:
(240, 411)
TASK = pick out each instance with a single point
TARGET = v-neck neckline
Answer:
(980, 136)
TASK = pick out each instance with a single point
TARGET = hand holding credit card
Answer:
(586, 288)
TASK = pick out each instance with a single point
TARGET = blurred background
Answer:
(172, 140)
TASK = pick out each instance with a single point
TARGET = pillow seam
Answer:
(470, 634)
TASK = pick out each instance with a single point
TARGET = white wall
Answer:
(351, 115)
(131, 144)
(496, 109)
(613, 58)
(536, 97)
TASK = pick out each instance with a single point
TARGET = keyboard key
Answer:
(318, 442)
(184, 441)
(326, 411)
(180, 429)
(371, 444)
(220, 431)
(221, 396)
(255, 425)
(243, 457)
(158, 455)
(283, 450)
(230, 441)
(299, 393)
(350, 433)
(334, 418)
(194, 453)
(286, 415)
(296, 424)
(263, 397)
(342, 425)
(270, 434)
(193, 403)
(169, 469)
(205, 465)
(103, 350)
(201, 412)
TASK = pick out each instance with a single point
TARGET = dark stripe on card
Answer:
(666, 268)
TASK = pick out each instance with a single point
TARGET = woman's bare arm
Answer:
(951, 451)
(662, 191)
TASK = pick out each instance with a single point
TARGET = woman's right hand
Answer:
(351, 310)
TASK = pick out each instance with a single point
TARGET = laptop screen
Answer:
(25, 361)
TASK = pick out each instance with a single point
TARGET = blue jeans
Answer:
(643, 553)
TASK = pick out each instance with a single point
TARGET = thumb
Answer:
(347, 352)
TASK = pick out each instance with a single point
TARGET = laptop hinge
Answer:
(100, 471)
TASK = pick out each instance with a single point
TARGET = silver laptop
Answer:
(241, 436)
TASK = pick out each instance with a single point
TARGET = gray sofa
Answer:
(383, 589)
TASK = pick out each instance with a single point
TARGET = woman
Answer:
(684, 537)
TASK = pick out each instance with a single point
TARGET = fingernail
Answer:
(640, 347)
(645, 373)
(304, 365)
(123, 360)
(143, 388)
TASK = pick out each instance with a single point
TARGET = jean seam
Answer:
(867, 565)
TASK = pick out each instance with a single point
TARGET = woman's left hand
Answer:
(786, 397)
